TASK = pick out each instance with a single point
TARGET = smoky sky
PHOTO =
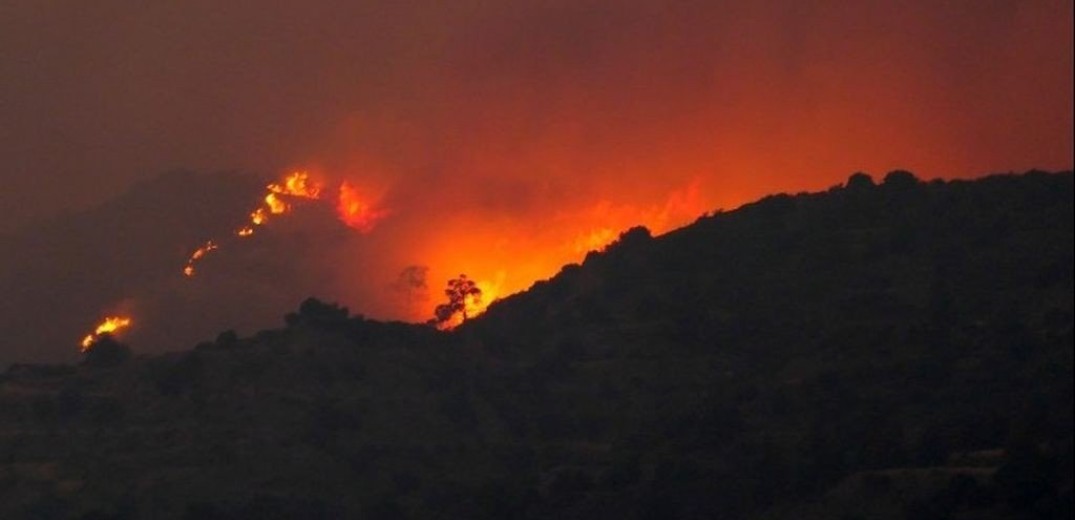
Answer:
(548, 101)
(497, 139)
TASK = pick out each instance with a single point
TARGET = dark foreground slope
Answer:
(892, 351)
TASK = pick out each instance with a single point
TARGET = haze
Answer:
(505, 138)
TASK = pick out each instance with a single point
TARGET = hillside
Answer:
(68, 269)
(125, 256)
(892, 350)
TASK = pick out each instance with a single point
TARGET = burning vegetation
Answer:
(503, 255)
(280, 198)
(297, 185)
(356, 211)
(464, 302)
(111, 325)
(351, 209)
(198, 254)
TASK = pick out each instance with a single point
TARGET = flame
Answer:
(257, 218)
(198, 254)
(507, 256)
(356, 212)
(110, 325)
(275, 205)
(297, 185)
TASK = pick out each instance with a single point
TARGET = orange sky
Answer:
(504, 137)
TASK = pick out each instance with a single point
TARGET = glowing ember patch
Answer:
(111, 325)
(198, 254)
(257, 218)
(356, 212)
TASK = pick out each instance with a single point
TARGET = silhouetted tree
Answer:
(458, 292)
(319, 310)
(859, 181)
(314, 311)
(900, 180)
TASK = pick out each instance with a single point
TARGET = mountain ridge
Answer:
(804, 356)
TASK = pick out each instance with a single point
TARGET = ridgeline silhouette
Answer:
(892, 350)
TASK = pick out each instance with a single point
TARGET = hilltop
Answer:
(892, 350)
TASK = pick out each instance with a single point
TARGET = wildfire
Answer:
(296, 185)
(198, 254)
(356, 212)
(473, 302)
(505, 256)
(110, 325)
(490, 292)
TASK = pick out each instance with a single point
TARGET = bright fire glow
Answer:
(476, 304)
(505, 257)
(110, 325)
(297, 185)
(502, 255)
(356, 211)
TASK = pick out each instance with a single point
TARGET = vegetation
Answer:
(888, 351)
(460, 292)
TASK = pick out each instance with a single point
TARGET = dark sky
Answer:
(623, 100)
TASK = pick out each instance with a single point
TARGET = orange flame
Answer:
(198, 254)
(110, 325)
(297, 184)
(507, 256)
(275, 204)
(356, 212)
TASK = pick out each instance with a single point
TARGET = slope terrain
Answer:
(892, 350)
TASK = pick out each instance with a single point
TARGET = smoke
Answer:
(537, 99)
(413, 284)
(503, 139)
